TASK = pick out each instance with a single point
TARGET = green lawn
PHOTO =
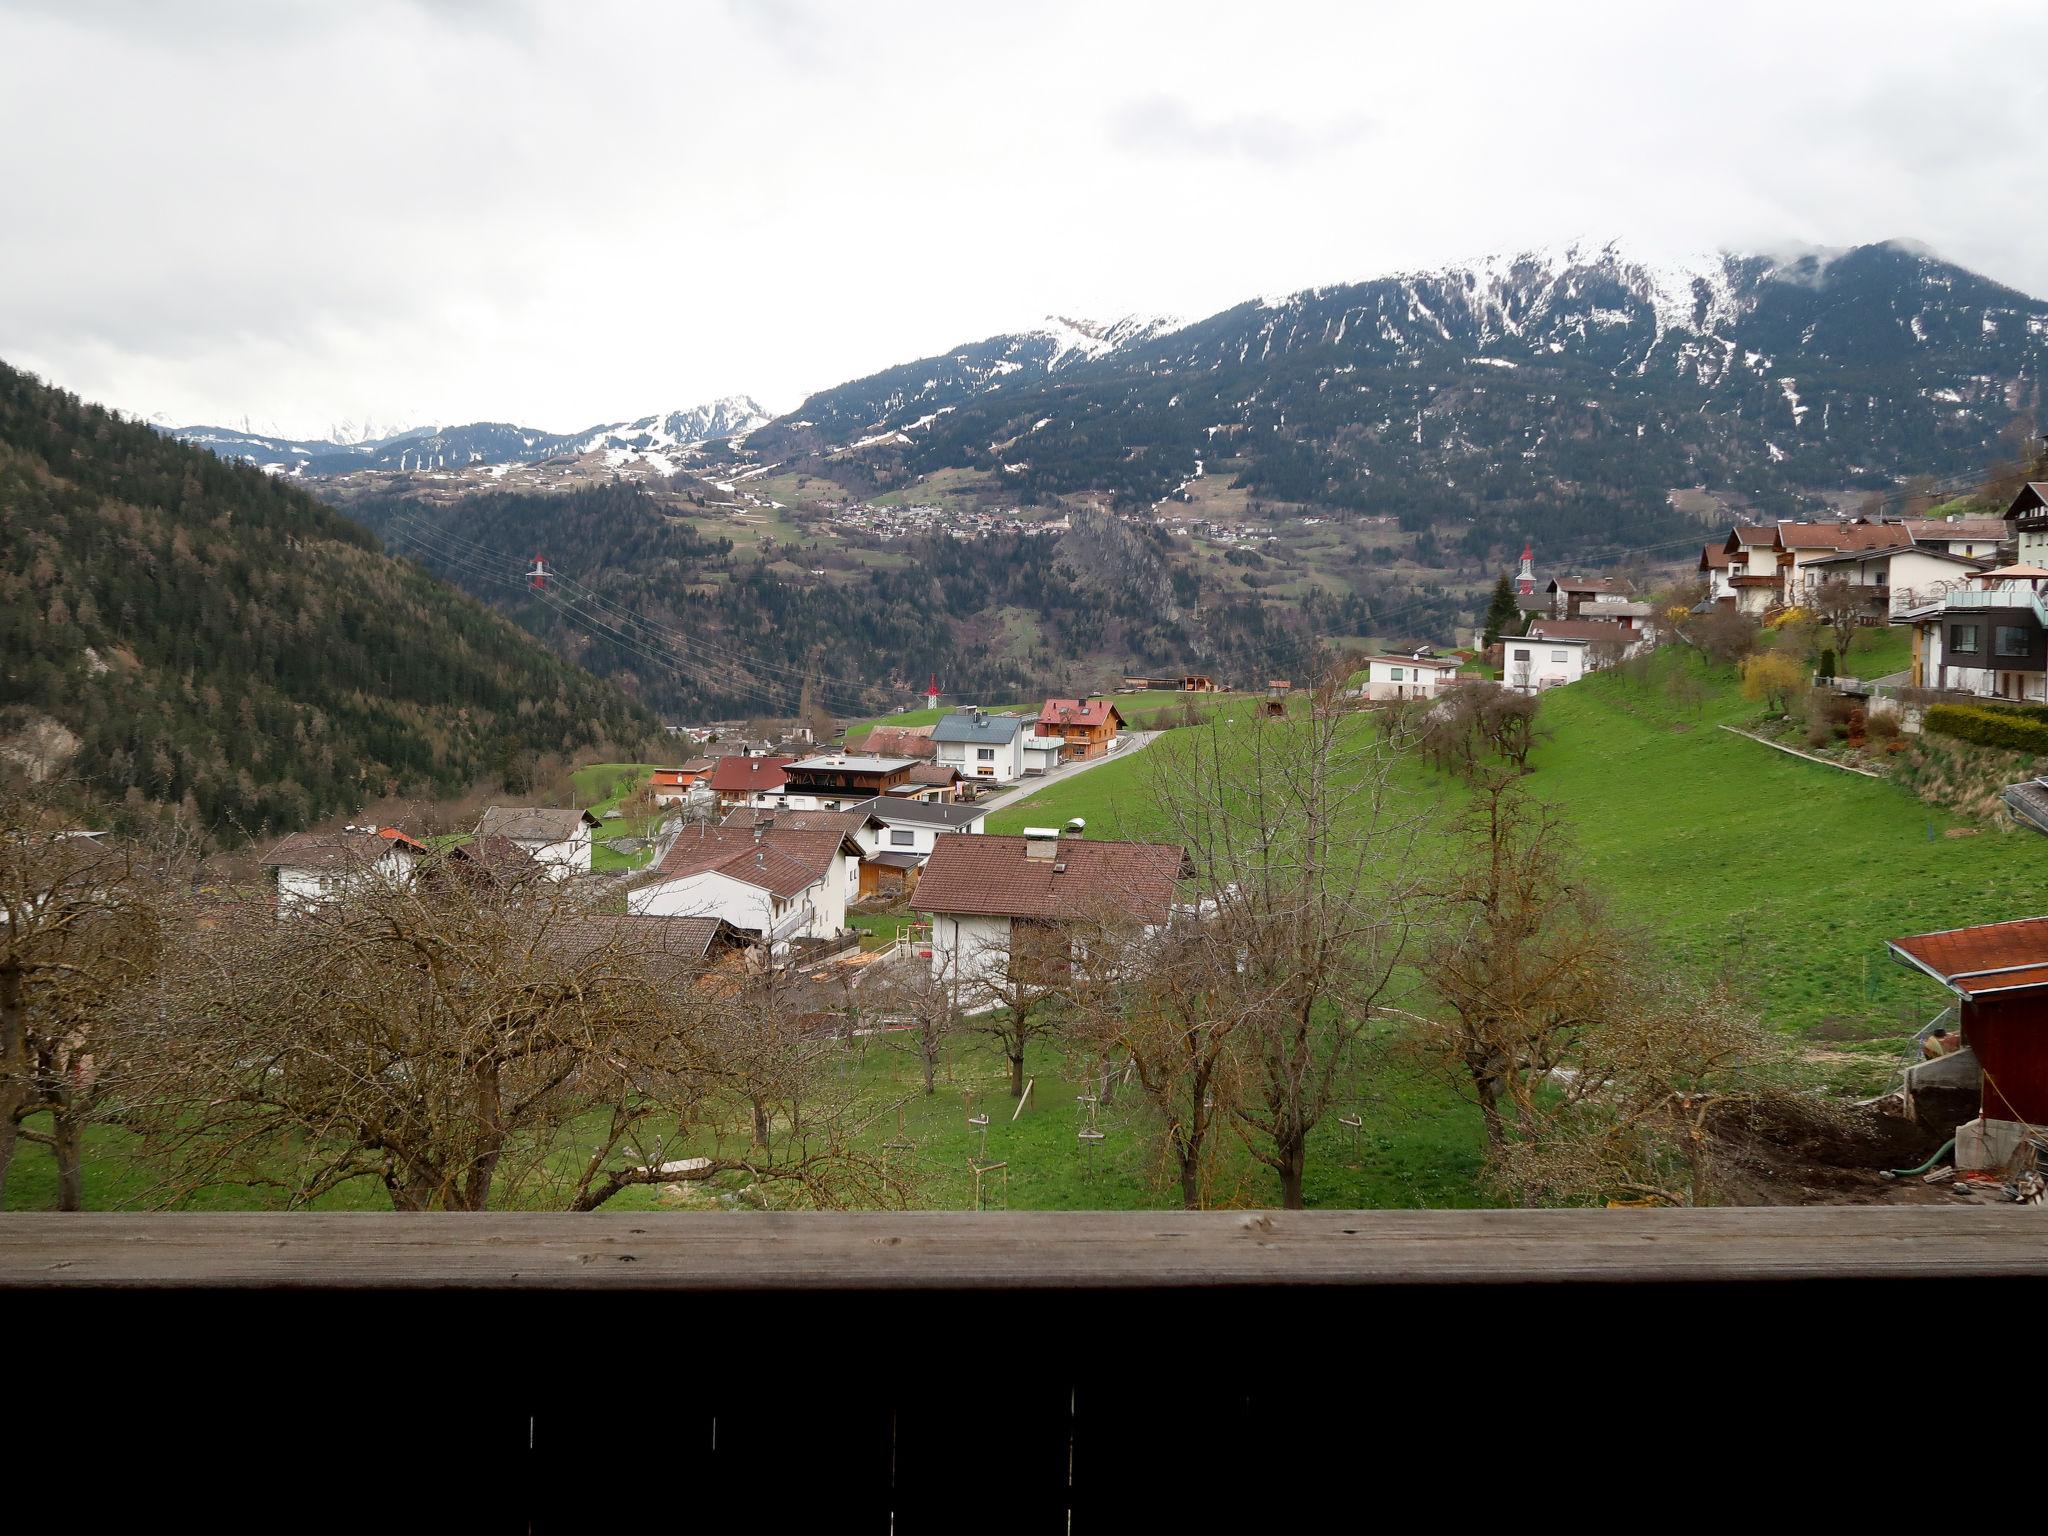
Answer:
(601, 786)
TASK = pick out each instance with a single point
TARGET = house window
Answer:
(1962, 639)
(985, 754)
(2010, 640)
(1398, 675)
(1522, 657)
(1559, 655)
(902, 839)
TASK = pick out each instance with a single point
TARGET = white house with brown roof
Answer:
(998, 902)
(781, 883)
(556, 837)
(312, 867)
(1537, 662)
(1407, 677)
(1805, 549)
(1752, 575)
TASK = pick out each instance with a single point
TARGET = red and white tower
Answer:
(537, 578)
(1525, 579)
(931, 692)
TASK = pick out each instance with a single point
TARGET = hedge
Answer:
(1989, 727)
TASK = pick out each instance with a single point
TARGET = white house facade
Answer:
(558, 839)
(1407, 677)
(984, 747)
(1534, 664)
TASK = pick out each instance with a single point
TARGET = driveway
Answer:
(1133, 741)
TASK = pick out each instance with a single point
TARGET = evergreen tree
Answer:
(1500, 610)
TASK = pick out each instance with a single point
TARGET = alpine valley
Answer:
(1052, 507)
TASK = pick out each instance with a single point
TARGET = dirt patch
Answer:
(1805, 1151)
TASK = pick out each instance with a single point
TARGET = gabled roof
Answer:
(534, 823)
(2031, 495)
(933, 773)
(843, 762)
(1575, 631)
(1994, 957)
(994, 876)
(749, 775)
(1797, 537)
(980, 730)
(1437, 663)
(899, 741)
(1857, 556)
(497, 856)
(1589, 584)
(669, 948)
(851, 819)
(1979, 528)
(923, 813)
(1079, 714)
(1714, 557)
(784, 861)
(1746, 536)
(337, 850)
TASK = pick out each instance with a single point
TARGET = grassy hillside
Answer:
(1787, 874)
(215, 639)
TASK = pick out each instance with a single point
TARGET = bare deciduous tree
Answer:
(1301, 850)
(82, 920)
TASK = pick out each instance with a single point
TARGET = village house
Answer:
(935, 782)
(1803, 548)
(1535, 662)
(1605, 642)
(1568, 594)
(557, 838)
(1989, 639)
(982, 747)
(311, 867)
(1896, 578)
(1998, 974)
(1638, 619)
(1714, 571)
(671, 786)
(1978, 538)
(1087, 727)
(1753, 576)
(779, 883)
(745, 780)
(2028, 516)
(910, 831)
(683, 953)
(912, 741)
(835, 780)
(1007, 906)
(1406, 677)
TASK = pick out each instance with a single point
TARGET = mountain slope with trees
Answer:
(178, 631)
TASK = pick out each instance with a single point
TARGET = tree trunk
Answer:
(1292, 1161)
(1489, 1111)
(1017, 1074)
(1190, 1180)
(69, 1145)
(760, 1123)
(931, 1070)
(14, 1083)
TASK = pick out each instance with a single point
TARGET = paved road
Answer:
(1134, 741)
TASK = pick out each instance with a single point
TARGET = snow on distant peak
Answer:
(1088, 339)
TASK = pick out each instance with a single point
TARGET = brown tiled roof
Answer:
(674, 947)
(1087, 714)
(800, 821)
(1714, 557)
(993, 876)
(498, 856)
(1843, 536)
(785, 861)
(899, 741)
(1961, 528)
(335, 850)
(1996, 957)
(1591, 584)
(933, 773)
(1743, 534)
(749, 775)
(534, 823)
(1577, 629)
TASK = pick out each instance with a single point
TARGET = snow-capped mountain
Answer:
(1569, 391)
(913, 396)
(660, 441)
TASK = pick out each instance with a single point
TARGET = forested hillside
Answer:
(180, 631)
(695, 626)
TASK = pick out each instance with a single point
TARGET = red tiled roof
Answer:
(1995, 957)
(1087, 714)
(993, 876)
(800, 821)
(783, 860)
(933, 773)
(1744, 534)
(749, 775)
(1714, 557)
(1935, 528)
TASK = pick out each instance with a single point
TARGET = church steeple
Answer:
(1525, 579)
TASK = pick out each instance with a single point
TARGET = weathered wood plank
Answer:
(926, 1251)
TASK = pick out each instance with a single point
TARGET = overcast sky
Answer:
(567, 214)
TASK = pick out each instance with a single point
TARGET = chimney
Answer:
(1041, 842)
(1074, 828)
